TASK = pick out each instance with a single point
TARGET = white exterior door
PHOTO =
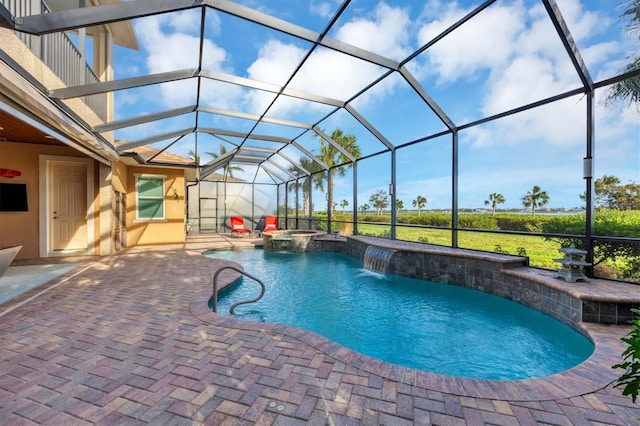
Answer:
(68, 213)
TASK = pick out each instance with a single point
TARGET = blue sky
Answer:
(507, 56)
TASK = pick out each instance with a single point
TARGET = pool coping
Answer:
(593, 374)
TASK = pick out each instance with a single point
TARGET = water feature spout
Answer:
(377, 258)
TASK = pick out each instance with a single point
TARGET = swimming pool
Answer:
(418, 324)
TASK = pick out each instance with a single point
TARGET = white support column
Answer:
(106, 211)
(82, 40)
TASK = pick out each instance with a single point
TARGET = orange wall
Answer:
(119, 176)
(22, 228)
(148, 232)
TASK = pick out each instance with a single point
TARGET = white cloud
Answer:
(384, 33)
(582, 23)
(483, 43)
(187, 21)
(524, 80)
(171, 51)
(522, 60)
(561, 123)
(323, 8)
(334, 74)
(276, 62)
(329, 73)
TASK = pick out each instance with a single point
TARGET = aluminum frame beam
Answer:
(153, 139)
(148, 118)
(249, 158)
(280, 25)
(309, 154)
(284, 170)
(6, 18)
(293, 163)
(369, 127)
(568, 42)
(427, 98)
(258, 149)
(272, 173)
(72, 19)
(122, 84)
(242, 135)
(334, 144)
(253, 117)
(268, 87)
(216, 163)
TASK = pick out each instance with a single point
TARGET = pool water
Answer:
(435, 327)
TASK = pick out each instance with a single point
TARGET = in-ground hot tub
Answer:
(289, 239)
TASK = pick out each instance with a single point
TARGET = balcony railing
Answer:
(59, 54)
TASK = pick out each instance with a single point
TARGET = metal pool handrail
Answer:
(214, 298)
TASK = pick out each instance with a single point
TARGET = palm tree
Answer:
(399, 205)
(535, 198)
(420, 202)
(379, 201)
(343, 204)
(493, 201)
(317, 179)
(228, 170)
(331, 157)
(629, 89)
(194, 157)
(364, 208)
(300, 183)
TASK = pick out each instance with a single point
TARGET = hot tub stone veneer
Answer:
(291, 240)
(599, 301)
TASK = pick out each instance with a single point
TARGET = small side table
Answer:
(572, 264)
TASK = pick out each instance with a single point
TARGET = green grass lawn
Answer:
(541, 252)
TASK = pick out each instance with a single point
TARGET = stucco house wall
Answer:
(171, 229)
(22, 228)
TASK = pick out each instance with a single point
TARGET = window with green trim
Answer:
(150, 197)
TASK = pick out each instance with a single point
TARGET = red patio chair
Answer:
(270, 224)
(237, 226)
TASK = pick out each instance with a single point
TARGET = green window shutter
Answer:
(150, 198)
(150, 187)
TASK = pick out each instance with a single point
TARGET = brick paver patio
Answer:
(129, 340)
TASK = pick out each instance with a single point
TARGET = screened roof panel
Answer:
(397, 111)
(312, 16)
(604, 41)
(258, 143)
(299, 109)
(225, 95)
(262, 177)
(288, 132)
(310, 142)
(157, 127)
(268, 55)
(522, 60)
(201, 74)
(167, 32)
(384, 28)
(139, 101)
(342, 120)
(301, 160)
(334, 74)
(221, 121)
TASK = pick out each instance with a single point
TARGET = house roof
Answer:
(145, 154)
